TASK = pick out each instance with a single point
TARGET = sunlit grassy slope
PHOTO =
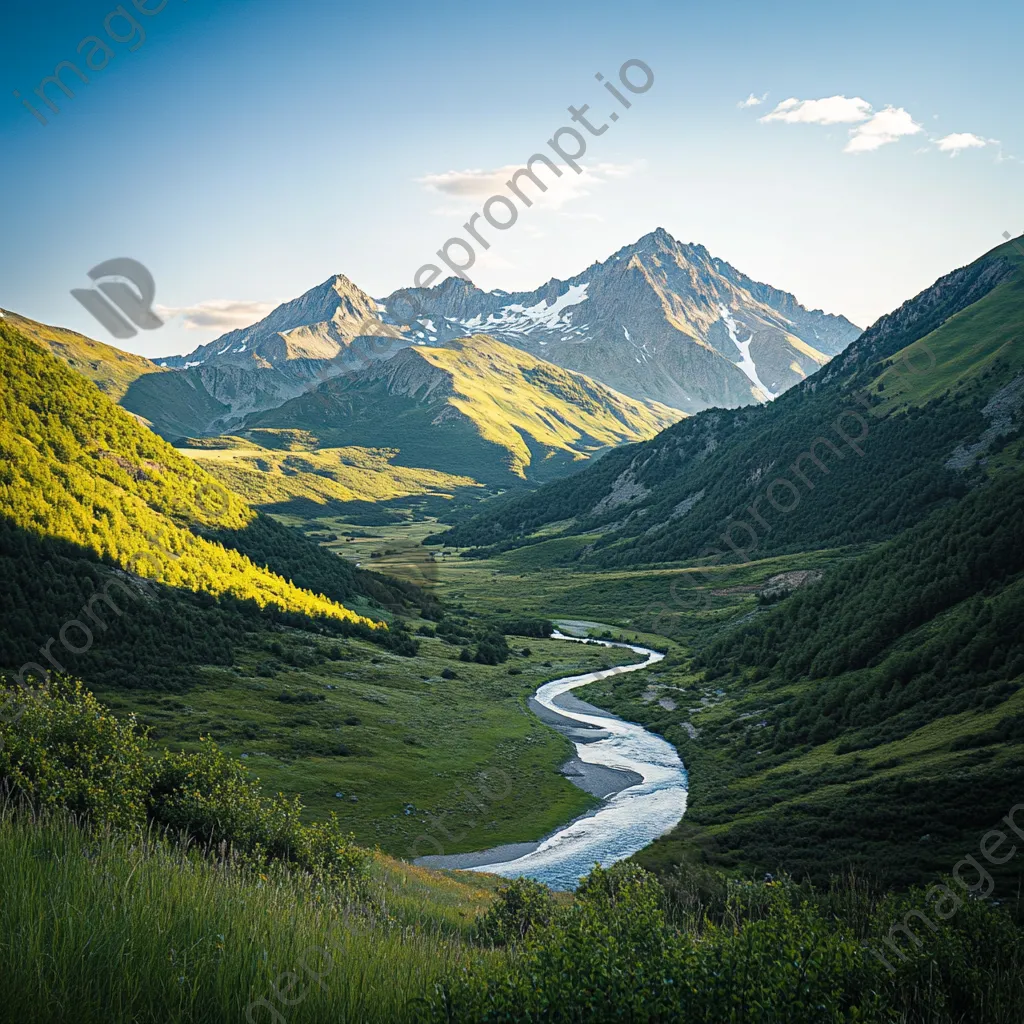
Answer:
(509, 393)
(110, 369)
(476, 408)
(147, 932)
(76, 467)
(985, 336)
(269, 476)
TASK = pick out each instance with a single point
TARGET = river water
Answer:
(625, 822)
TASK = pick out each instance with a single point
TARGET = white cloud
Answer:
(222, 314)
(752, 101)
(959, 141)
(889, 125)
(831, 110)
(873, 128)
(478, 184)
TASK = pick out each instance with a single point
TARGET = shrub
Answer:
(210, 797)
(67, 750)
(449, 673)
(611, 957)
(302, 697)
(518, 907)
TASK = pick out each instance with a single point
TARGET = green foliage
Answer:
(75, 467)
(519, 906)
(60, 748)
(758, 953)
(309, 566)
(109, 929)
(527, 627)
(63, 750)
(210, 798)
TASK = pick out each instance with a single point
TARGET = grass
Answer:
(264, 476)
(476, 408)
(510, 395)
(648, 602)
(110, 369)
(414, 749)
(966, 346)
(101, 929)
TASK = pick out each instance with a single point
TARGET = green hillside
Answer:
(476, 408)
(872, 720)
(279, 469)
(110, 369)
(78, 469)
(844, 570)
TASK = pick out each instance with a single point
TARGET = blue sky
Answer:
(245, 151)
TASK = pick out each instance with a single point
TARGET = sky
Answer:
(245, 151)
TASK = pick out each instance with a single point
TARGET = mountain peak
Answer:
(660, 236)
(658, 319)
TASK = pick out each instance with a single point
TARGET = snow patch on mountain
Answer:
(746, 363)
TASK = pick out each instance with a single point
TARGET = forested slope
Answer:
(98, 516)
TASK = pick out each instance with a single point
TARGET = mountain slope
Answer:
(701, 485)
(477, 408)
(275, 470)
(78, 469)
(300, 343)
(110, 369)
(319, 325)
(658, 320)
(873, 720)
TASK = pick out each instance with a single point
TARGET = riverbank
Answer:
(638, 775)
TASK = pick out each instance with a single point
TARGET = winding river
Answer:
(626, 821)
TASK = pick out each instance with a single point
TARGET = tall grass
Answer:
(103, 928)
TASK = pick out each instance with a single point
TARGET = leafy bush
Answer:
(302, 697)
(65, 749)
(518, 907)
(540, 628)
(757, 954)
(210, 797)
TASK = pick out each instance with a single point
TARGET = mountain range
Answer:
(674, 496)
(658, 321)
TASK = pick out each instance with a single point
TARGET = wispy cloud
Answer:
(752, 101)
(477, 184)
(959, 141)
(885, 127)
(222, 314)
(831, 110)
